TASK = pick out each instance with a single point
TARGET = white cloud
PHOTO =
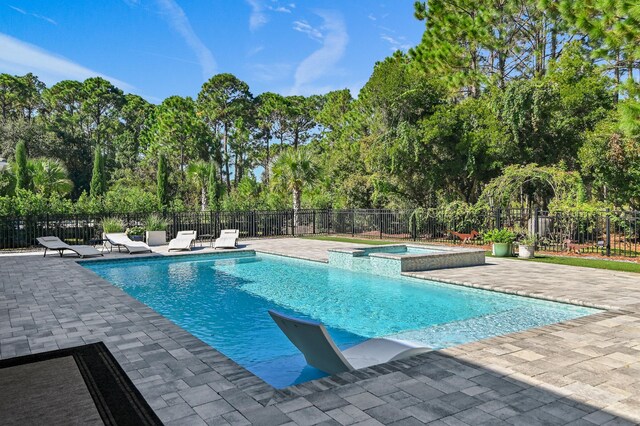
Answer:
(176, 17)
(259, 9)
(35, 15)
(398, 43)
(257, 18)
(270, 72)
(334, 43)
(372, 17)
(255, 50)
(305, 28)
(19, 57)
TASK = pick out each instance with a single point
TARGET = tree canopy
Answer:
(513, 102)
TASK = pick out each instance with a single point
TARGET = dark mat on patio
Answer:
(81, 385)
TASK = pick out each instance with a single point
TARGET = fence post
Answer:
(293, 223)
(353, 222)
(536, 227)
(414, 228)
(313, 217)
(608, 242)
(380, 222)
(175, 224)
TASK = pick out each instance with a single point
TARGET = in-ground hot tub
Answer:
(393, 259)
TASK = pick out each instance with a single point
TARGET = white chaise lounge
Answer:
(315, 343)
(228, 239)
(55, 243)
(122, 240)
(183, 241)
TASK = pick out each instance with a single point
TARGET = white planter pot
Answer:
(156, 238)
(526, 251)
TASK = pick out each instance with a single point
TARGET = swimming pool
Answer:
(223, 300)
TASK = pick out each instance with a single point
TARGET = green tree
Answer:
(214, 188)
(162, 181)
(300, 117)
(98, 178)
(456, 35)
(270, 112)
(63, 117)
(49, 177)
(198, 173)
(135, 116)
(294, 169)
(610, 163)
(100, 112)
(222, 100)
(23, 180)
(176, 132)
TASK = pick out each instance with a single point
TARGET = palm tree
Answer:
(293, 169)
(49, 176)
(198, 173)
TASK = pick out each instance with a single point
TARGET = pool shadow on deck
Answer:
(437, 385)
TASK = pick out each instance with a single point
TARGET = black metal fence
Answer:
(605, 232)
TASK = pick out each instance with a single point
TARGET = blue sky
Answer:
(158, 48)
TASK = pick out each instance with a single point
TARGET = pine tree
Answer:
(212, 187)
(98, 181)
(162, 181)
(22, 171)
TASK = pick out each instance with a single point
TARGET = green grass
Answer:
(351, 240)
(610, 265)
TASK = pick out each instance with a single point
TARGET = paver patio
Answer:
(584, 371)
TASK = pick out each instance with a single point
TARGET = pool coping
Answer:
(272, 395)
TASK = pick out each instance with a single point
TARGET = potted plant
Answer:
(527, 246)
(156, 230)
(502, 240)
(136, 233)
(111, 225)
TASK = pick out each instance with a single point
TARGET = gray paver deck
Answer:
(584, 371)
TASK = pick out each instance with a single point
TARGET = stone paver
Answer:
(583, 371)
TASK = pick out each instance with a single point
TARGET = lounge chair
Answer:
(55, 243)
(122, 240)
(313, 340)
(228, 239)
(183, 241)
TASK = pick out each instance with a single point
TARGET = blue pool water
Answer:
(223, 300)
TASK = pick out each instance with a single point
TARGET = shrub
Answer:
(155, 222)
(112, 224)
(499, 236)
(135, 230)
(528, 240)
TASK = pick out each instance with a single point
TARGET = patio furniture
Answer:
(97, 242)
(122, 240)
(183, 241)
(320, 351)
(228, 239)
(55, 243)
(205, 238)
